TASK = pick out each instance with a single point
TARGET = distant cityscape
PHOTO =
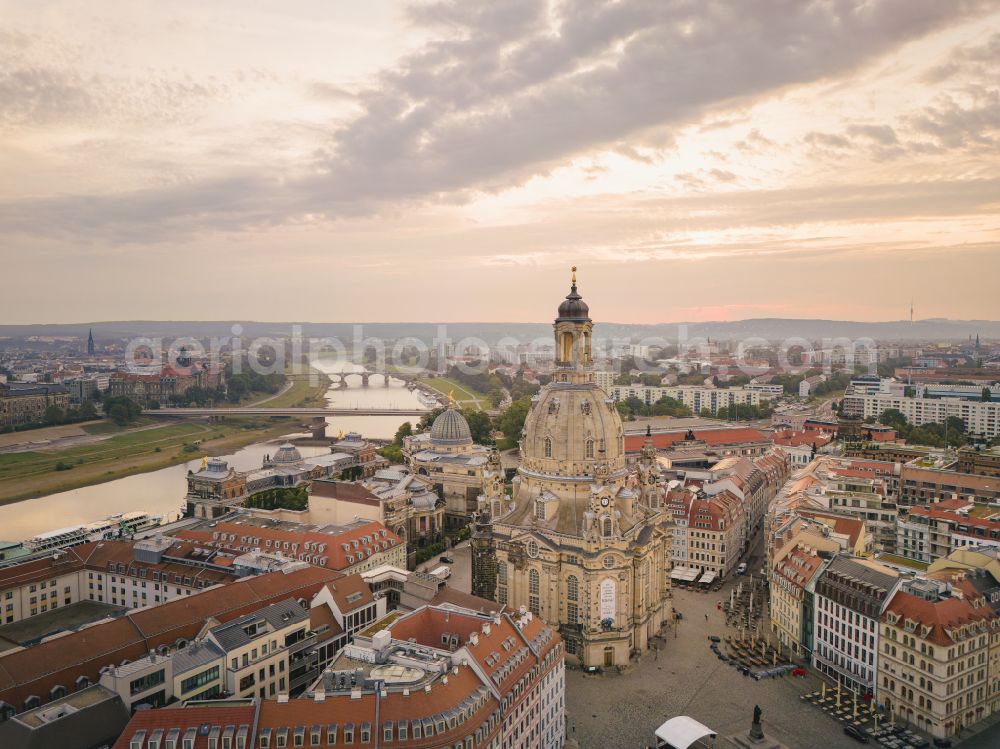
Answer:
(555, 521)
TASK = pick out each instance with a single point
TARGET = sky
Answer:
(334, 161)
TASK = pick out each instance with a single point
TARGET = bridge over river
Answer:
(318, 415)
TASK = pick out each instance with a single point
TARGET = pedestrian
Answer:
(706, 617)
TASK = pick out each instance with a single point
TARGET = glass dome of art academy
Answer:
(573, 435)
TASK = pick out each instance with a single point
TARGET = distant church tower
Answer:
(90, 342)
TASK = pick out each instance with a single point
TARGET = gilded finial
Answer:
(204, 462)
(451, 397)
(574, 274)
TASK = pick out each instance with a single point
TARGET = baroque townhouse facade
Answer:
(851, 595)
(941, 652)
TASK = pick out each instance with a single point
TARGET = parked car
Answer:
(447, 560)
(856, 733)
(741, 568)
(715, 638)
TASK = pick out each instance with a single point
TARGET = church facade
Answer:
(583, 542)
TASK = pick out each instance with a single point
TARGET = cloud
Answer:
(881, 134)
(329, 92)
(501, 93)
(953, 124)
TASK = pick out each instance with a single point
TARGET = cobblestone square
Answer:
(685, 678)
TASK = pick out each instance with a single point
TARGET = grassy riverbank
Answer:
(462, 394)
(131, 450)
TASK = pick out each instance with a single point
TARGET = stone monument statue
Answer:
(756, 732)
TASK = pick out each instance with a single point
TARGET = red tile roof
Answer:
(219, 716)
(940, 616)
(334, 553)
(665, 440)
(35, 670)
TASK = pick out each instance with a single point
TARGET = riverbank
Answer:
(462, 394)
(35, 473)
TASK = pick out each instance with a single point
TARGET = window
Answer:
(548, 447)
(199, 680)
(607, 529)
(147, 682)
(572, 614)
(533, 588)
(589, 449)
(572, 588)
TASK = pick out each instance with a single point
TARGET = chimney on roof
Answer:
(319, 695)
(427, 688)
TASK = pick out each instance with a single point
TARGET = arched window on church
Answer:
(540, 509)
(590, 448)
(534, 584)
(607, 529)
(548, 447)
(502, 582)
(572, 600)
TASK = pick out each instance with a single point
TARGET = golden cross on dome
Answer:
(574, 274)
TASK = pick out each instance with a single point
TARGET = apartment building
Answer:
(32, 676)
(979, 417)
(919, 485)
(850, 597)
(929, 532)
(193, 672)
(982, 462)
(256, 648)
(866, 499)
(696, 398)
(443, 677)
(940, 647)
(134, 574)
(352, 547)
(795, 568)
(716, 530)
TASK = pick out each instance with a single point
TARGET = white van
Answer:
(741, 568)
(443, 572)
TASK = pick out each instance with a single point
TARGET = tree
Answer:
(987, 395)
(894, 418)
(121, 409)
(667, 406)
(87, 410)
(428, 418)
(54, 415)
(480, 425)
(405, 430)
(391, 452)
(511, 421)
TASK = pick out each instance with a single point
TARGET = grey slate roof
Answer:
(277, 615)
(93, 717)
(194, 655)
